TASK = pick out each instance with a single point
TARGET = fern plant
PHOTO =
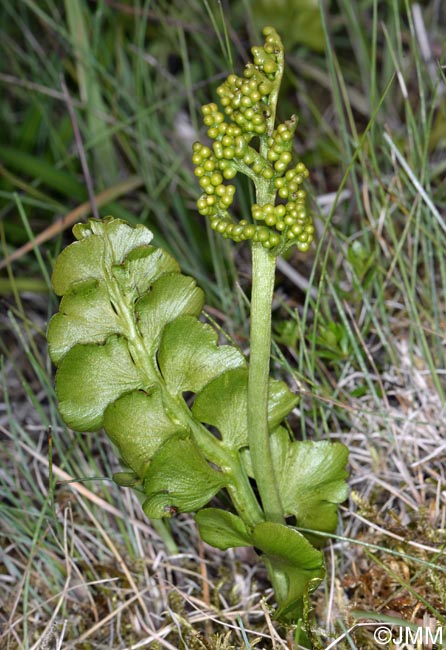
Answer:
(129, 342)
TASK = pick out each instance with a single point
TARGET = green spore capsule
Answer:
(274, 239)
(270, 66)
(228, 152)
(257, 212)
(270, 220)
(262, 234)
(267, 173)
(303, 246)
(201, 203)
(229, 173)
(205, 181)
(249, 231)
(265, 88)
(216, 179)
(213, 132)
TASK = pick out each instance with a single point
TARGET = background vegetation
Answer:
(100, 105)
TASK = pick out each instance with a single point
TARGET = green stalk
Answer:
(263, 274)
(238, 486)
(242, 495)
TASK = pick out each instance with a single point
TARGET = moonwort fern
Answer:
(128, 344)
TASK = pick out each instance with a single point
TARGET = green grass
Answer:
(359, 331)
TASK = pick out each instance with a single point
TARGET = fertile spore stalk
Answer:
(250, 104)
(128, 343)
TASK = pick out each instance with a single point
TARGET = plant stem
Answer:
(263, 273)
(238, 486)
